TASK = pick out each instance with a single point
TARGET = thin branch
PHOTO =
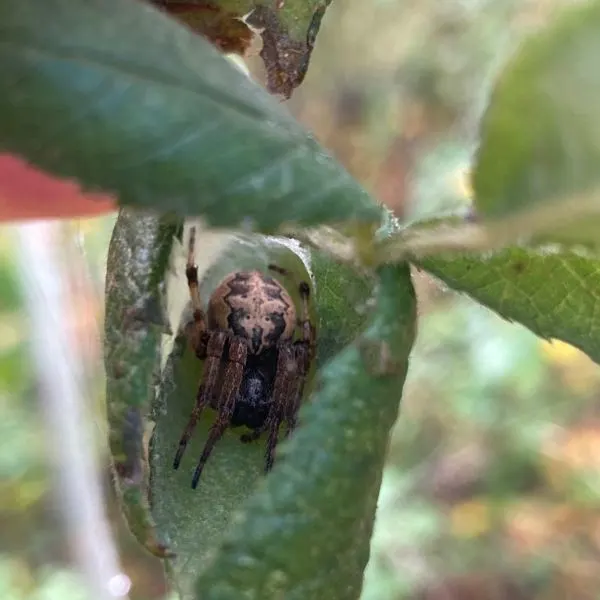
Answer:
(338, 246)
(542, 219)
(420, 243)
(67, 427)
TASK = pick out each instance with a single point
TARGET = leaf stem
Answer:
(543, 218)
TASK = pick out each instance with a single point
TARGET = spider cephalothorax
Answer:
(254, 370)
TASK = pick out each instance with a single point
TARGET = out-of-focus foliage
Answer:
(396, 90)
(493, 469)
(34, 556)
(539, 136)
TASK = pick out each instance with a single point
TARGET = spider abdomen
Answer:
(253, 400)
(253, 306)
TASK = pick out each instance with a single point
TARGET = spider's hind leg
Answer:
(234, 371)
(304, 349)
(283, 389)
(307, 329)
(212, 367)
(293, 364)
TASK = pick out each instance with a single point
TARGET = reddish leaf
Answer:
(28, 193)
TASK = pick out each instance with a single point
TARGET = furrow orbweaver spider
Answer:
(254, 371)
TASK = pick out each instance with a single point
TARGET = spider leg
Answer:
(281, 394)
(308, 331)
(212, 367)
(195, 330)
(293, 364)
(293, 405)
(236, 361)
(305, 349)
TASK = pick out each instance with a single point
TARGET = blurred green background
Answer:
(493, 483)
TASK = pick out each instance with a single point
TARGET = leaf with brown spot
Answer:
(289, 33)
(288, 29)
(223, 27)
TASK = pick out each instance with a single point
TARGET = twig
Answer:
(67, 428)
(542, 219)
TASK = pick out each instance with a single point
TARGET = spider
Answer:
(254, 372)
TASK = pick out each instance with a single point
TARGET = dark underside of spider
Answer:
(255, 393)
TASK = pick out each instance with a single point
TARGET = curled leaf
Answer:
(194, 521)
(134, 322)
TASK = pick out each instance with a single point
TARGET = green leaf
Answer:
(119, 96)
(342, 297)
(540, 136)
(305, 532)
(194, 521)
(555, 294)
(134, 321)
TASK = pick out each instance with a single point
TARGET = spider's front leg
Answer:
(207, 346)
(195, 330)
(232, 379)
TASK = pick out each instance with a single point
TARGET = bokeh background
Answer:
(493, 484)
